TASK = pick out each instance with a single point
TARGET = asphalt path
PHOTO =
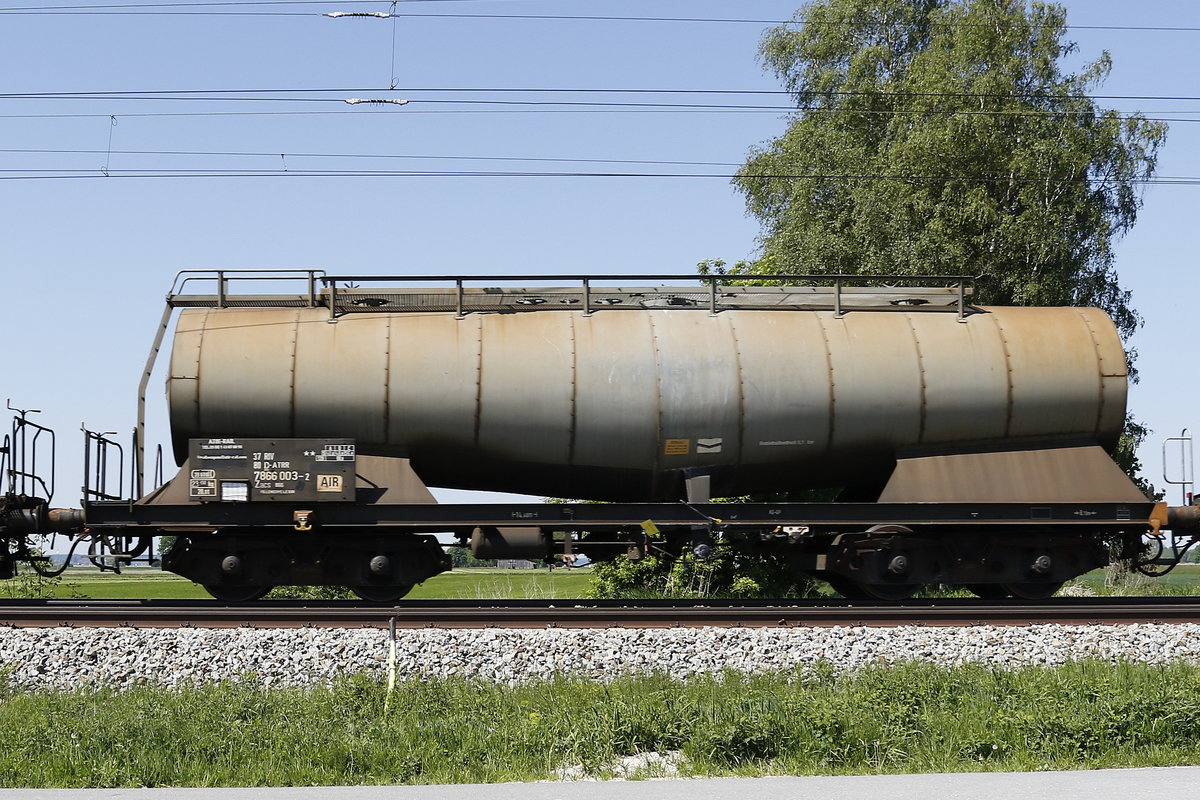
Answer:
(1126, 784)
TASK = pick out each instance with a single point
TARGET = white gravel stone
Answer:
(69, 658)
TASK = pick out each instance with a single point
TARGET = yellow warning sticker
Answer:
(677, 447)
(651, 529)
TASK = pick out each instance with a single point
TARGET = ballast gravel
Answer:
(70, 658)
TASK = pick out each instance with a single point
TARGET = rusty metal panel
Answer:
(1113, 391)
(1055, 372)
(1109, 351)
(616, 391)
(396, 476)
(527, 388)
(1114, 374)
(433, 388)
(343, 365)
(699, 388)
(1083, 474)
(965, 379)
(876, 377)
(246, 373)
(786, 392)
(183, 378)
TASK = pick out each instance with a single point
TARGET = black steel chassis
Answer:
(875, 550)
(1099, 518)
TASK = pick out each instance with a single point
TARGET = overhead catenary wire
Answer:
(223, 9)
(29, 173)
(374, 110)
(598, 105)
(119, 94)
(550, 106)
(379, 111)
(491, 105)
(263, 154)
(214, 4)
(19, 174)
(479, 105)
(429, 101)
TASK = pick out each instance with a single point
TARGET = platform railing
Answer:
(219, 283)
(465, 294)
(26, 449)
(582, 290)
(99, 482)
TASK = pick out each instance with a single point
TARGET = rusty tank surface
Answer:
(625, 400)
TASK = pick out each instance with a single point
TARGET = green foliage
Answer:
(906, 718)
(676, 572)
(166, 544)
(27, 583)
(626, 578)
(311, 593)
(725, 573)
(1126, 456)
(944, 136)
(462, 557)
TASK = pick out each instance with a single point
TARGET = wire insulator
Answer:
(358, 100)
(340, 14)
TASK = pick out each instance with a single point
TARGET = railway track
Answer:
(592, 613)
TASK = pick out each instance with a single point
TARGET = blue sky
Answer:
(87, 261)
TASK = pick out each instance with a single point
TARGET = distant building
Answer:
(515, 563)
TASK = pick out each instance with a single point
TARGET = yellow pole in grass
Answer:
(391, 664)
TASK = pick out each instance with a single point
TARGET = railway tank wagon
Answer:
(623, 404)
(972, 443)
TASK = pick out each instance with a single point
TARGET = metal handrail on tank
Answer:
(224, 277)
(582, 292)
(585, 288)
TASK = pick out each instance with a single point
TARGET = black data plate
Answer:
(258, 470)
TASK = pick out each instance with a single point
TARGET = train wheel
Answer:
(1033, 591)
(988, 591)
(382, 594)
(237, 594)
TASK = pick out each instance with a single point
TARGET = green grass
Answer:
(1183, 580)
(911, 718)
(129, 585)
(486, 584)
(471, 584)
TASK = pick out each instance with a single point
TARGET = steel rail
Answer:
(594, 613)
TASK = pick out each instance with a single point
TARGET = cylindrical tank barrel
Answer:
(624, 404)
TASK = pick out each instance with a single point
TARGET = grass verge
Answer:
(475, 583)
(481, 583)
(912, 718)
